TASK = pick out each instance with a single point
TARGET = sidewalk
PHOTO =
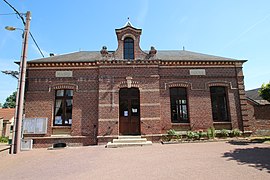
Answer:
(4, 149)
(215, 160)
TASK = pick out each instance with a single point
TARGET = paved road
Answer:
(214, 160)
(4, 150)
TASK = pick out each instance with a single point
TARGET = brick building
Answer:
(258, 113)
(90, 97)
(6, 122)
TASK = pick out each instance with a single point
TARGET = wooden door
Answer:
(129, 111)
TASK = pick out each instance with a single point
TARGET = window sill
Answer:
(61, 127)
(181, 123)
(222, 122)
(61, 130)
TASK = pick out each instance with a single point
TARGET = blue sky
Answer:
(237, 29)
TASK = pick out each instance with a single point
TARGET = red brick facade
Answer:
(259, 118)
(96, 85)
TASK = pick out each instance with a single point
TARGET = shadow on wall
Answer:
(257, 157)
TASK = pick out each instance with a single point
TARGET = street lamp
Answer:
(16, 137)
(10, 28)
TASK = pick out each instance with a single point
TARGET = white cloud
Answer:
(246, 31)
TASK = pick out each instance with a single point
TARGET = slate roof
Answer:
(172, 55)
(183, 55)
(254, 95)
(82, 56)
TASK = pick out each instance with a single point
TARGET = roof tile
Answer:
(172, 55)
(7, 113)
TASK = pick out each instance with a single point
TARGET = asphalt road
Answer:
(213, 160)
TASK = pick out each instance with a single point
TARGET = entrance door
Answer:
(129, 111)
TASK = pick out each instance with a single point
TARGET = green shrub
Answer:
(190, 135)
(3, 139)
(171, 135)
(193, 135)
(203, 134)
(236, 133)
(211, 133)
(171, 132)
(224, 133)
(196, 135)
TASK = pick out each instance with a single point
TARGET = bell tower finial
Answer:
(128, 22)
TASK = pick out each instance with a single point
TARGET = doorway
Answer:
(129, 111)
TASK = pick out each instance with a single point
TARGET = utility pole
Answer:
(16, 139)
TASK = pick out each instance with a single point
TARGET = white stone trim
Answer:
(128, 35)
(150, 118)
(116, 120)
(149, 90)
(150, 104)
(108, 105)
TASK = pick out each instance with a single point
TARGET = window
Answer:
(219, 104)
(128, 48)
(179, 109)
(63, 108)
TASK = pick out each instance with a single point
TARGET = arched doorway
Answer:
(129, 111)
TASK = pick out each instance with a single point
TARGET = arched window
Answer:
(128, 48)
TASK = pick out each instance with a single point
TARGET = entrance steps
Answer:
(126, 141)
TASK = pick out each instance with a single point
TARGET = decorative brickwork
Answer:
(65, 86)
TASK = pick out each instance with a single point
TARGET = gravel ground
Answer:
(214, 160)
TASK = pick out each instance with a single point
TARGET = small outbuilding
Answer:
(258, 113)
(6, 122)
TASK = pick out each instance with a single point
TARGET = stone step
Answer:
(137, 140)
(116, 145)
(124, 141)
(129, 137)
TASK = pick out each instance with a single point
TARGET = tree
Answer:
(265, 91)
(10, 101)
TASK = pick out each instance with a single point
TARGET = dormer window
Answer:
(128, 48)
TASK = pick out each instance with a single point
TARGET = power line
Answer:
(17, 12)
(6, 14)
(20, 15)
(36, 44)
